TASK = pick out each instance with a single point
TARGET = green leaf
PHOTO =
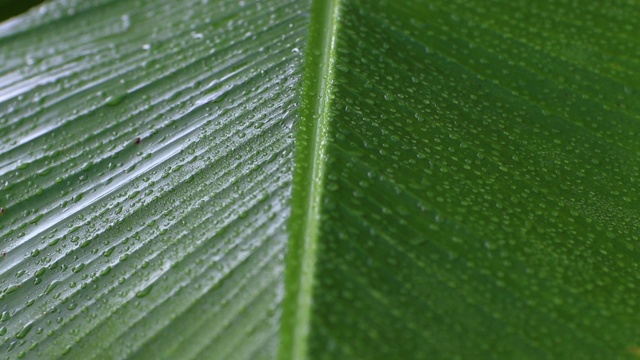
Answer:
(344, 179)
(170, 248)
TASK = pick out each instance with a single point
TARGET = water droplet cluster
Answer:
(480, 198)
(146, 153)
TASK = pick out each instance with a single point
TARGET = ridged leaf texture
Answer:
(320, 179)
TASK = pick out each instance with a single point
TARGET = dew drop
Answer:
(76, 269)
(105, 271)
(24, 331)
(115, 100)
(12, 288)
(109, 251)
(51, 287)
(144, 292)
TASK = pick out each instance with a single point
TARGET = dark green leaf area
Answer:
(482, 201)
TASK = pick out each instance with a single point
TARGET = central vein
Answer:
(309, 178)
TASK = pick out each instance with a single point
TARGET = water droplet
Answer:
(115, 100)
(126, 22)
(144, 292)
(12, 288)
(134, 194)
(105, 271)
(78, 268)
(51, 287)
(36, 219)
(109, 251)
(24, 331)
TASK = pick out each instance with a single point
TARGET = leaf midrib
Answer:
(309, 177)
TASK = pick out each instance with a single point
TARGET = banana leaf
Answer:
(320, 179)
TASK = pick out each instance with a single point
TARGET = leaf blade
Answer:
(465, 185)
(208, 177)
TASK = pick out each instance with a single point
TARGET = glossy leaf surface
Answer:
(327, 180)
(146, 165)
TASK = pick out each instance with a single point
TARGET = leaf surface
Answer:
(342, 179)
(481, 190)
(146, 170)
